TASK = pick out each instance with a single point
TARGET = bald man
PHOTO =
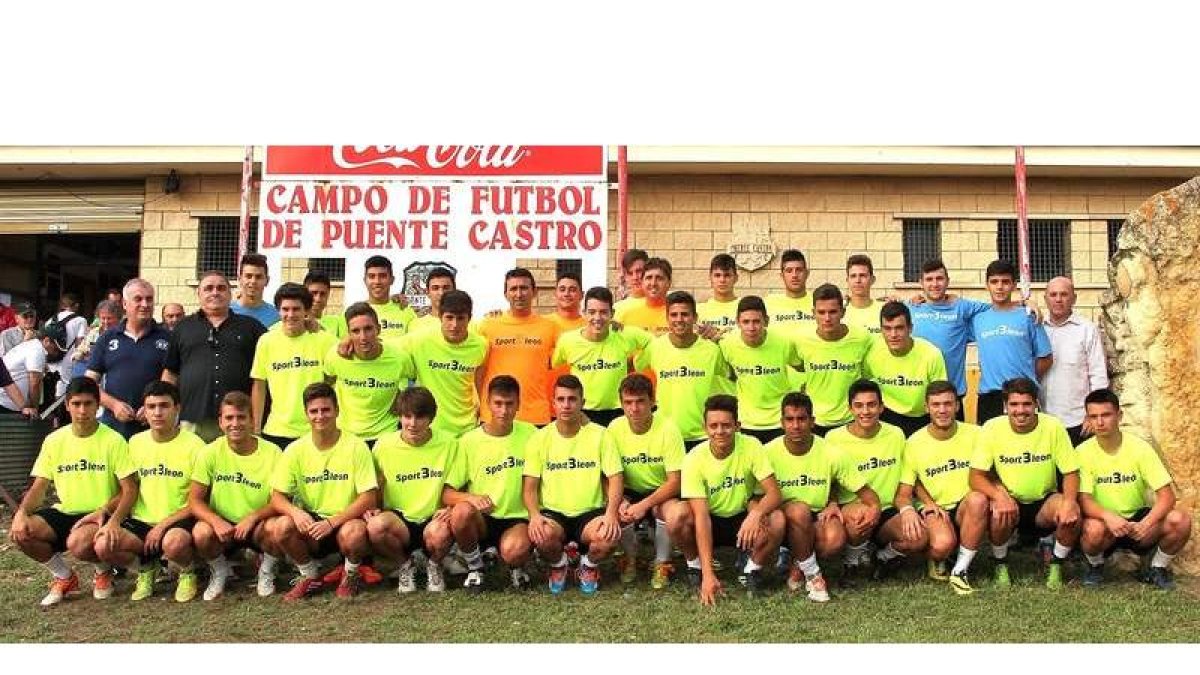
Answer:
(1079, 367)
(172, 312)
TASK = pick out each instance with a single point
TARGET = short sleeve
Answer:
(202, 468)
(329, 365)
(35, 361)
(97, 359)
(258, 367)
(692, 480)
(535, 456)
(119, 459)
(637, 338)
(45, 459)
(171, 363)
(282, 476)
(672, 450)
(456, 469)
(1151, 467)
(908, 469)
(760, 463)
(981, 458)
(559, 357)
(610, 457)
(1066, 458)
(1087, 477)
(1041, 341)
(364, 469)
(642, 361)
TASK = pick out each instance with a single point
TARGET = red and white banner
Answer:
(476, 209)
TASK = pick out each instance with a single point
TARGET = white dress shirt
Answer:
(1079, 368)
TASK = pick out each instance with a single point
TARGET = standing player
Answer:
(936, 468)
(287, 360)
(687, 368)
(651, 313)
(903, 366)
(573, 487)
(449, 363)
(633, 264)
(252, 279)
(1024, 450)
(318, 285)
(89, 465)
(230, 498)
(568, 291)
(861, 309)
(761, 361)
(946, 322)
(484, 488)
(394, 318)
(413, 465)
(322, 486)
(652, 454)
(833, 355)
(160, 524)
(720, 477)
(520, 344)
(791, 310)
(368, 380)
(437, 283)
(719, 313)
(1118, 471)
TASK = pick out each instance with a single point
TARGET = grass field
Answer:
(907, 609)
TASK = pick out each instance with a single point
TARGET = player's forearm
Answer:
(168, 376)
(980, 482)
(107, 400)
(770, 501)
(451, 497)
(283, 504)
(1089, 507)
(1070, 486)
(666, 491)
(1164, 501)
(1042, 366)
(704, 545)
(32, 501)
(357, 508)
(616, 490)
(530, 496)
(129, 493)
(904, 497)
(176, 517)
(265, 511)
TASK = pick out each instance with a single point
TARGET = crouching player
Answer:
(719, 477)
(937, 468)
(483, 489)
(1117, 472)
(230, 498)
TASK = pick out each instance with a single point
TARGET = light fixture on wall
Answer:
(171, 184)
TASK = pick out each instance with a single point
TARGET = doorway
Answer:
(38, 268)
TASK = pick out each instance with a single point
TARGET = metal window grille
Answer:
(218, 244)
(334, 267)
(1049, 247)
(568, 265)
(1114, 230)
(922, 241)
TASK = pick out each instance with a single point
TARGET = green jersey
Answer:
(831, 366)
(1026, 463)
(335, 325)
(238, 485)
(448, 371)
(394, 320)
(494, 466)
(726, 483)
(648, 457)
(1121, 482)
(686, 377)
(366, 390)
(164, 472)
(877, 459)
(412, 476)
(85, 471)
(762, 378)
(325, 482)
(809, 478)
(718, 314)
(288, 365)
(903, 379)
(570, 468)
(790, 315)
(866, 318)
(600, 366)
(943, 467)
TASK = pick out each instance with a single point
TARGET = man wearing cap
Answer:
(26, 364)
(26, 328)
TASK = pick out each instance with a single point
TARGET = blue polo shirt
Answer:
(127, 366)
(1009, 342)
(948, 327)
(266, 314)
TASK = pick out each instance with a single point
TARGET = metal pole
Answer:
(244, 223)
(1024, 266)
(622, 208)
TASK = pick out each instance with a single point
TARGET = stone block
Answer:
(224, 183)
(961, 241)
(152, 220)
(1068, 203)
(178, 257)
(957, 203)
(730, 201)
(854, 242)
(790, 221)
(640, 201)
(770, 201)
(718, 222)
(882, 241)
(921, 203)
(996, 203)
(178, 221)
(827, 222)
(161, 239)
(692, 201)
(204, 201)
(806, 201)
(844, 202)
(694, 241)
(1105, 204)
(887, 203)
(149, 258)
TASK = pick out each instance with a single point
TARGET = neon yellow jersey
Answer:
(903, 379)
(626, 304)
(877, 459)
(448, 371)
(727, 483)
(238, 485)
(288, 365)
(762, 377)
(425, 322)
(570, 468)
(1026, 463)
(719, 315)
(866, 318)
(686, 378)
(494, 466)
(325, 481)
(831, 366)
(84, 471)
(366, 390)
(600, 366)
(809, 478)
(412, 476)
(790, 315)
(335, 325)
(1124, 481)
(943, 467)
(164, 472)
(648, 457)
(641, 314)
(394, 320)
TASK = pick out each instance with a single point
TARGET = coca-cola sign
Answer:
(436, 160)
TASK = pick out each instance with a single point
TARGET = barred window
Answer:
(568, 266)
(218, 244)
(1114, 230)
(921, 241)
(334, 267)
(1049, 247)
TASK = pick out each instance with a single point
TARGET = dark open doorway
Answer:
(40, 267)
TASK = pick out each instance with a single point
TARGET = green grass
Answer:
(907, 609)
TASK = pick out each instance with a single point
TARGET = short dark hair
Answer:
(723, 262)
(721, 403)
(457, 302)
(631, 256)
(864, 386)
(1000, 268)
(1101, 396)
(504, 385)
(418, 402)
(860, 259)
(440, 272)
(253, 260)
(361, 309)
(317, 277)
(682, 298)
(568, 274)
(519, 273)
(636, 384)
(828, 292)
(661, 264)
(1019, 385)
(569, 382)
(83, 385)
(378, 261)
(933, 265)
(796, 399)
(318, 390)
(293, 291)
(941, 387)
(598, 293)
(238, 400)
(751, 303)
(791, 255)
(893, 309)
(161, 388)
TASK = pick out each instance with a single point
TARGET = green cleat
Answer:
(1054, 580)
(938, 570)
(1001, 578)
(144, 587)
(960, 584)
(185, 590)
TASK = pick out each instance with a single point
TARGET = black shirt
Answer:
(211, 361)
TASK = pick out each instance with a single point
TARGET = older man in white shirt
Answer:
(1079, 365)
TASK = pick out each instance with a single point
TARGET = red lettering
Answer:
(330, 230)
(441, 200)
(273, 195)
(279, 234)
(437, 238)
(566, 235)
(590, 235)
(473, 235)
(376, 200)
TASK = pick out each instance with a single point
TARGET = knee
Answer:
(352, 533)
(1094, 530)
(83, 547)
(377, 528)
(176, 543)
(798, 514)
(941, 546)
(462, 515)
(203, 535)
(679, 520)
(514, 551)
(976, 503)
(1178, 521)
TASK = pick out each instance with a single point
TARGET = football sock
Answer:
(751, 566)
(1161, 559)
(562, 561)
(810, 567)
(586, 561)
(474, 558)
(1061, 552)
(310, 569)
(855, 553)
(662, 542)
(963, 563)
(694, 563)
(58, 566)
(219, 564)
(1000, 552)
(629, 540)
(888, 553)
(134, 567)
(1097, 559)
(268, 563)
(351, 567)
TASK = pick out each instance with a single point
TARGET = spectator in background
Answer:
(108, 315)
(252, 279)
(172, 312)
(15, 396)
(112, 295)
(27, 364)
(1079, 367)
(26, 328)
(76, 328)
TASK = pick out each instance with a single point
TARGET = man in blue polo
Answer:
(127, 358)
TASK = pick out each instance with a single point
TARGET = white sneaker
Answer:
(434, 583)
(474, 581)
(818, 590)
(405, 574)
(216, 582)
(520, 578)
(266, 582)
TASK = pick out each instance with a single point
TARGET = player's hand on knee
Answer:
(224, 531)
(1068, 514)
(1005, 511)
(830, 512)
(243, 529)
(1116, 525)
(1141, 531)
(153, 540)
(482, 503)
(610, 528)
(303, 521)
(910, 525)
(748, 533)
(539, 529)
(20, 530)
(320, 529)
(94, 518)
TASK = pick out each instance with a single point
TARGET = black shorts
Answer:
(416, 532)
(764, 436)
(235, 545)
(1129, 544)
(1027, 524)
(603, 417)
(60, 523)
(907, 423)
(725, 529)
(573, 525)
(328, 545)
(140, 529)
(281, 441)
(495, 528)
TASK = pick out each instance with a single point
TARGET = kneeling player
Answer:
(231, 497)
(937, 462)
(1118, 471)
(484, 487)
(330, 473)
(719, 476)
(413, 466)
(573, 486)
(160, 524)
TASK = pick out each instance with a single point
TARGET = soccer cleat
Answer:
(474, 581)
(265, 582)
(960, 584)
(102, 585)
(1054, 577)
(303, 588)
(490, 555)
(754, 583)
(1001, 575)
(557, 579)
(60, 589)
(349, 586)
(1094, 575)
(369, 575)
(938, 570)
(847, 580)
(144, 586)
(662, 575)
(693, 577)
(627, 564)
(739, 564)
(216, 583)
(1161, 578)
(406, 573)
(434, 583)
(818, 590)
(783, 562)
(520, 579)
(186, 587)
(795, 578)
(334, 575)
(589, 579)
